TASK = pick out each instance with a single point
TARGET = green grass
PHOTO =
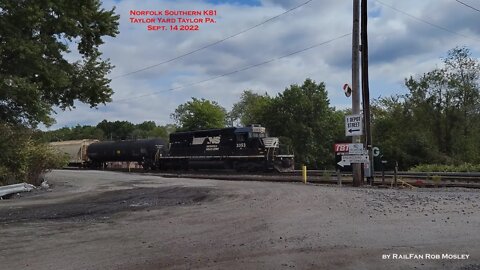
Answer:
(465, 167)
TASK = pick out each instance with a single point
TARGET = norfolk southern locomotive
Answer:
(243, 149)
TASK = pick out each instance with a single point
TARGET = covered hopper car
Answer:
(76, 151)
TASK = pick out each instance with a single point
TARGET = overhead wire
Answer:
(270, 60)
(238, 70)
(467, 5)
(426, 22)
(214, 43)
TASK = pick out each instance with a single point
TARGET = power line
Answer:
(214, 43)
(426, 22)
(478, 10)
(238, 70)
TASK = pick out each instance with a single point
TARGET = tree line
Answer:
(110, 130)
(301, 116)
(436, 121)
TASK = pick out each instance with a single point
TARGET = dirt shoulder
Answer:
(107, 220)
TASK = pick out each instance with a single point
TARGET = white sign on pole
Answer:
(349, 159)
(353, 125)
(356, 149)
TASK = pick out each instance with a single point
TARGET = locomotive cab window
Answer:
(256, 135)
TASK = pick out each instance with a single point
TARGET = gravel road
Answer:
(109, 220)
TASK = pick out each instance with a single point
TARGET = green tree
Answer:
(158, 132)
(146, 125)
(303, 114)
(75, 133)
(445, 102)
(250, 108)
(463, 75)
(143, 129)
(35, 36)
(114, 130)
(118, 130)
(162, 132)
(61, 134)
(437, 121)
(199, 114)
(149, 129)
(399, 136)
(24, 158)
(86, 132)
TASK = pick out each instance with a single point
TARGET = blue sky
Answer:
(400, 45)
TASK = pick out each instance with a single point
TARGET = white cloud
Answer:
(399, 46)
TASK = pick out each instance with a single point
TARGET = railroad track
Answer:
(406, 179)
(346, 179)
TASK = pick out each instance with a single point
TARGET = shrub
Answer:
(465, 167)
(24, 159)
(326, 175)
(40, 159)
(436, 179)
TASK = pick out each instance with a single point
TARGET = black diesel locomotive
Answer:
(243, 149)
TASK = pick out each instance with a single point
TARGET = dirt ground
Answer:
(108, 220)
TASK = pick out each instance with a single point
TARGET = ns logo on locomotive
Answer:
(240, 148)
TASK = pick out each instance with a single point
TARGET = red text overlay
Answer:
(173, 20)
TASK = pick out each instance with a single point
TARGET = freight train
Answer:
(238, 148)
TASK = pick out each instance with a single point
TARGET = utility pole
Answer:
(357, 169)
(366, 90)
